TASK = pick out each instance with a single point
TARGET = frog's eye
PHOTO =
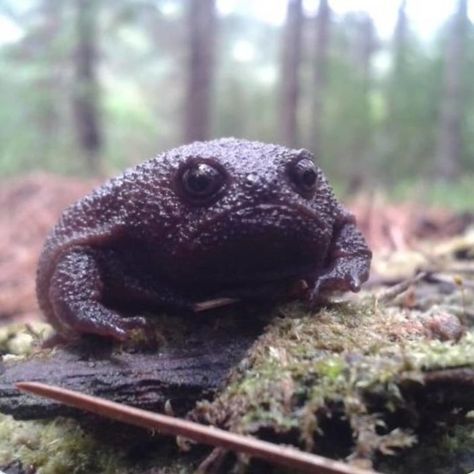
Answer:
(304, 175)
(201, 181)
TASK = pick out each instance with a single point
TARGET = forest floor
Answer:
(419, 302)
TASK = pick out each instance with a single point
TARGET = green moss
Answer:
(21, 339)
(328, 382)
(307, 369)
(442, 451)
(56, 447)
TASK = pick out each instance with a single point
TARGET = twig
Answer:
(213, 462)
(450, 279)
(294, 291)
(213, 304)
(273, 453)
(399, 288)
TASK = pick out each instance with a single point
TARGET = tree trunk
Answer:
(400, 38)
(449, 153)
(364, 47)
(48, 112)
(86, 87)
(290, 65)
(322, 24)
(398, 73)
(202, 38)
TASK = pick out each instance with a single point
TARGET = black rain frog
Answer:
(224, 218)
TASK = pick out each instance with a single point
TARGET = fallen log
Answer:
(190, 363)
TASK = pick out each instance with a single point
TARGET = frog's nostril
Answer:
(261, 187)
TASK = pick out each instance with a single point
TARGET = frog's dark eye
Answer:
(201, 181)
(304, 175)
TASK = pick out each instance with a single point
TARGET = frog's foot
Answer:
(328, 283)
(75, 295)
(92, 317)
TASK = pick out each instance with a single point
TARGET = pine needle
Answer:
(167, 425)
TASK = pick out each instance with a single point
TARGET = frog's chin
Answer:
(254, 246)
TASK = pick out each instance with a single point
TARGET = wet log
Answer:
(188, 365)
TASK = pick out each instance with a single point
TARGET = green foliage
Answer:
(377, 129)
(456, 196)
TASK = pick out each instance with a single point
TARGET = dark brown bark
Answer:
(450, 147)
(190, 364)
(321, 50)
(290, 80)
(86, 86)
(202, 38)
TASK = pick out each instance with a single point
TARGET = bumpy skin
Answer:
(139, 242)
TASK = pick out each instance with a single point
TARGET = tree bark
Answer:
(321, 50)
(450, 147)
(86, 87)
(201, 66)
(290, 66)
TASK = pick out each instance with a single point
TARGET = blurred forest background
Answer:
(383, 95)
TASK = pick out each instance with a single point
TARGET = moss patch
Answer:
(56, 447)
(330, 383)
(336, 376)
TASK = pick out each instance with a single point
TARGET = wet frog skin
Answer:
(224, 218)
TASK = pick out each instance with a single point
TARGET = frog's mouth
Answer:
(266, 242)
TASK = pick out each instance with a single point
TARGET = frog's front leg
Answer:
(348, 261)
(75, 294)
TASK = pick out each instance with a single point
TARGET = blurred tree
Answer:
(370, 116)
(289, 75)
(200, 72)
(321, 50)
(450, 146)
(50, 79)
(398, 74)
(86, 91)
(348, 123)
(408, 114)
(364, 46)
(400, 42)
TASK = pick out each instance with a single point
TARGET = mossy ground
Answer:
(60, 446)
(329, 382)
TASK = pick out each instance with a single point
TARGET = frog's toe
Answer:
(313, 296)
(135, 322)
(355, 283)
